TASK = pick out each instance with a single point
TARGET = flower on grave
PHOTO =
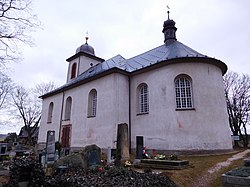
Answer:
(145, 154)
(160, 157)
(173, 157)
(127, 163)
(101, 168)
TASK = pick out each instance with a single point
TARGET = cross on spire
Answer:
(168, 11)
(169, 29)
(87, 37)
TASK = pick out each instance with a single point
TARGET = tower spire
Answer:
(168, 10)
(169, 29)
(86, 48)
(87, 37)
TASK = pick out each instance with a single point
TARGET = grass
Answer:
(199, 167)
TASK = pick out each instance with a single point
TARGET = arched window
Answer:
(183, 91)
(67, 113)
(92, 103)
(143, 101)
(50, 112)
(73, 71)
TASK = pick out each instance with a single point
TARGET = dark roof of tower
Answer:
(169, 24)
(86, 48)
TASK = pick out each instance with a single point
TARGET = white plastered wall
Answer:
(205, 128)
(112, 109)
(56, 116)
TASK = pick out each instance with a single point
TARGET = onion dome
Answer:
(86, 48)
(169, 30)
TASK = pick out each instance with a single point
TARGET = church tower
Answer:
(83, 59)
(169, 30)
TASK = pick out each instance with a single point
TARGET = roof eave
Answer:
(84, 54)
(207, 60)
(97, 76)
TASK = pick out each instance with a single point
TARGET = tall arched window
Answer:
(143, 101)
(73, 71)
(183, 91)
(50, 112)
(67, 113)
(92, 103)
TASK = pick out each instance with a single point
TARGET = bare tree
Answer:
(43, 88)
(16, 24)
(28, 107)
(237, 91)
(5, 88)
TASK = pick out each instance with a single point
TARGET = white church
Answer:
(171, 97)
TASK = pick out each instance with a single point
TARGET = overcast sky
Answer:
(216, 28)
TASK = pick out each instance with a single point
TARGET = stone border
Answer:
(235, 181)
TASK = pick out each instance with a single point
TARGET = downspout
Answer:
(129, 113)
(60, 128)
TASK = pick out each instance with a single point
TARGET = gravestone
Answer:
(122, 145)
(139, 147)
(50, 147)
(109, 155)
(113, 153)
(91, 156)
(74, 160)
(3, 150)
(247, 162)
(237, 177)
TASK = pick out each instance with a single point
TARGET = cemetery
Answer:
(93, 166)
(85, 168)
(89, 167)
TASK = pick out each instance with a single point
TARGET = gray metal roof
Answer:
(117, 61)
(164, 52)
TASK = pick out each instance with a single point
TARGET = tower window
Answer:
(73, 71)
